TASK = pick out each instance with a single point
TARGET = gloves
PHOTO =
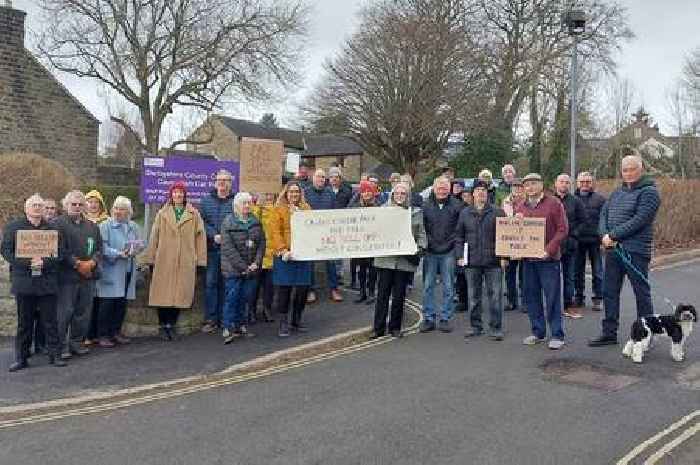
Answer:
(85, 267)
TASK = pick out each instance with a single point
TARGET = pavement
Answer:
(425, 398)
(151, 360)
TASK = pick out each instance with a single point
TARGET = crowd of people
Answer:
(78, 298)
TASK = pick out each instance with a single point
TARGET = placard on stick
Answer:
(36, 243)
(261, 165)
(520, 237)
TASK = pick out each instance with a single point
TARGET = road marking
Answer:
(102, 406)
(659, 454)
(671, 266)
(637, 451)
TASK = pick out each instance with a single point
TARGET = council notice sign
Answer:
(198, 174)
(352, 233)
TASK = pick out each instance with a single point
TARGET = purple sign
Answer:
(198, 174)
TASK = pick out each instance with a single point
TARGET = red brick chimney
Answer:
(11, 26)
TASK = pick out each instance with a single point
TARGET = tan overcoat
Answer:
(175, 249)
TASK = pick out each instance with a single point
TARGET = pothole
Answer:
(583, 373)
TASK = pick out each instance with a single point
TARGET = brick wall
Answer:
(37, 114)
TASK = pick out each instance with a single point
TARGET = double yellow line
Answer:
(107, 403)
(692, 424)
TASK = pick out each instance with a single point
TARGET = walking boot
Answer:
(362, 298)
(284, 326)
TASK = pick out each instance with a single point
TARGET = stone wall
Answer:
(8, 310)
(37, 114)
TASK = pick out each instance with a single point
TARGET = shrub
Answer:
(678, 220)
(24, 174)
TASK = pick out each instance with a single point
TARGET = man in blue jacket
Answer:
(589, 242)
(214, 208)
(320, 197)
(627, 220)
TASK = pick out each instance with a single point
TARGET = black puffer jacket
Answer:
(478, 229)
(592, 204)
(242, 244)
(343, 196)
(441, 224)
(576, 216)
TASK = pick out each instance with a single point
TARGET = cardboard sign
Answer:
(352, 233)
(36, 243)
(520, 237)
(261, 165)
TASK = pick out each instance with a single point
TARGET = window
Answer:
(637, 133)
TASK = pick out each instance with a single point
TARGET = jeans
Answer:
(27, 307)
(74, 305)
(514, 282)
(331, 275)
(615, 272)
(111, 316)
(592, 250)
(568, 274)
(445, 265)
(240, 294)
(214, 288)
(543, 276)
(492, 278)
(392, 283)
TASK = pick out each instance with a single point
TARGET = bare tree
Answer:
(620, 96)
(160, 54)
(402, 82)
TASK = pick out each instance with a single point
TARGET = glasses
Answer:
(586, 181)
(76, 204)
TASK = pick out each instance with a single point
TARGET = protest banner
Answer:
(36, 243)
(198, 174)
(261, 165)
(351, 233)
(520, 237)
(293, 162)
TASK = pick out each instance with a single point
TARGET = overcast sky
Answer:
(666, 32)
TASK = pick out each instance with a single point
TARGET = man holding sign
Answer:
(542, 274)
(31, 247)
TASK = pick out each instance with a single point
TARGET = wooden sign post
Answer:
(261, 165)
(36, 244)
(520, 237)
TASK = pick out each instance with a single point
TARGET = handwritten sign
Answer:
(520, 237)
(36, 243)
(352, 233)
(261, 165)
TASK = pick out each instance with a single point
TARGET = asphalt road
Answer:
(422, 399)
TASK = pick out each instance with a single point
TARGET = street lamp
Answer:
(575, 21)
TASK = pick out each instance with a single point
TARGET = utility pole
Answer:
(575, 21)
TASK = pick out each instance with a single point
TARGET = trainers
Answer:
(427, 326)
(571, 312)
(336, 296)
(444, 326)
(533, 340)
(209, 327)
(473, 332)
(597, 305)
(555, 344)
(226, 333)
(311, 297)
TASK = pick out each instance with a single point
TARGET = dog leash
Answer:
(626, 259)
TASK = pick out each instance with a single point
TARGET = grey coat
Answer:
(400, 262)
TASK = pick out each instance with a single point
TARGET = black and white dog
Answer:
(677, 326)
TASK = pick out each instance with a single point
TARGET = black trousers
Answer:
(266, 288)
(298, 301)
(354, 265)
(462, 288)
(367, 275)
(168, 316)
(27, 306)
(93, 329)
(391, 283)
(39, 333)
(111, 316)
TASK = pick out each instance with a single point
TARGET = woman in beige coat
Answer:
(177, 246)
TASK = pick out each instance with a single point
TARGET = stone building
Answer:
(37, 113)
(317, 151)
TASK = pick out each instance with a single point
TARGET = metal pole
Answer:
(572, 110)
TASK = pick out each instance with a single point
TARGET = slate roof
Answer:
(328, 145)
(244, 128)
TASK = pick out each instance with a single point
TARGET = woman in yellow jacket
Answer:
(264, 211)
(288, 275)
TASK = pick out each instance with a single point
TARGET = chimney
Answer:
(11, 26)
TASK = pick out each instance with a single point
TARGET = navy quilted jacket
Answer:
(320, 199)
(628, 216)
(214, 210)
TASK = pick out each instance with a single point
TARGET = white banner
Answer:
(352, 233)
